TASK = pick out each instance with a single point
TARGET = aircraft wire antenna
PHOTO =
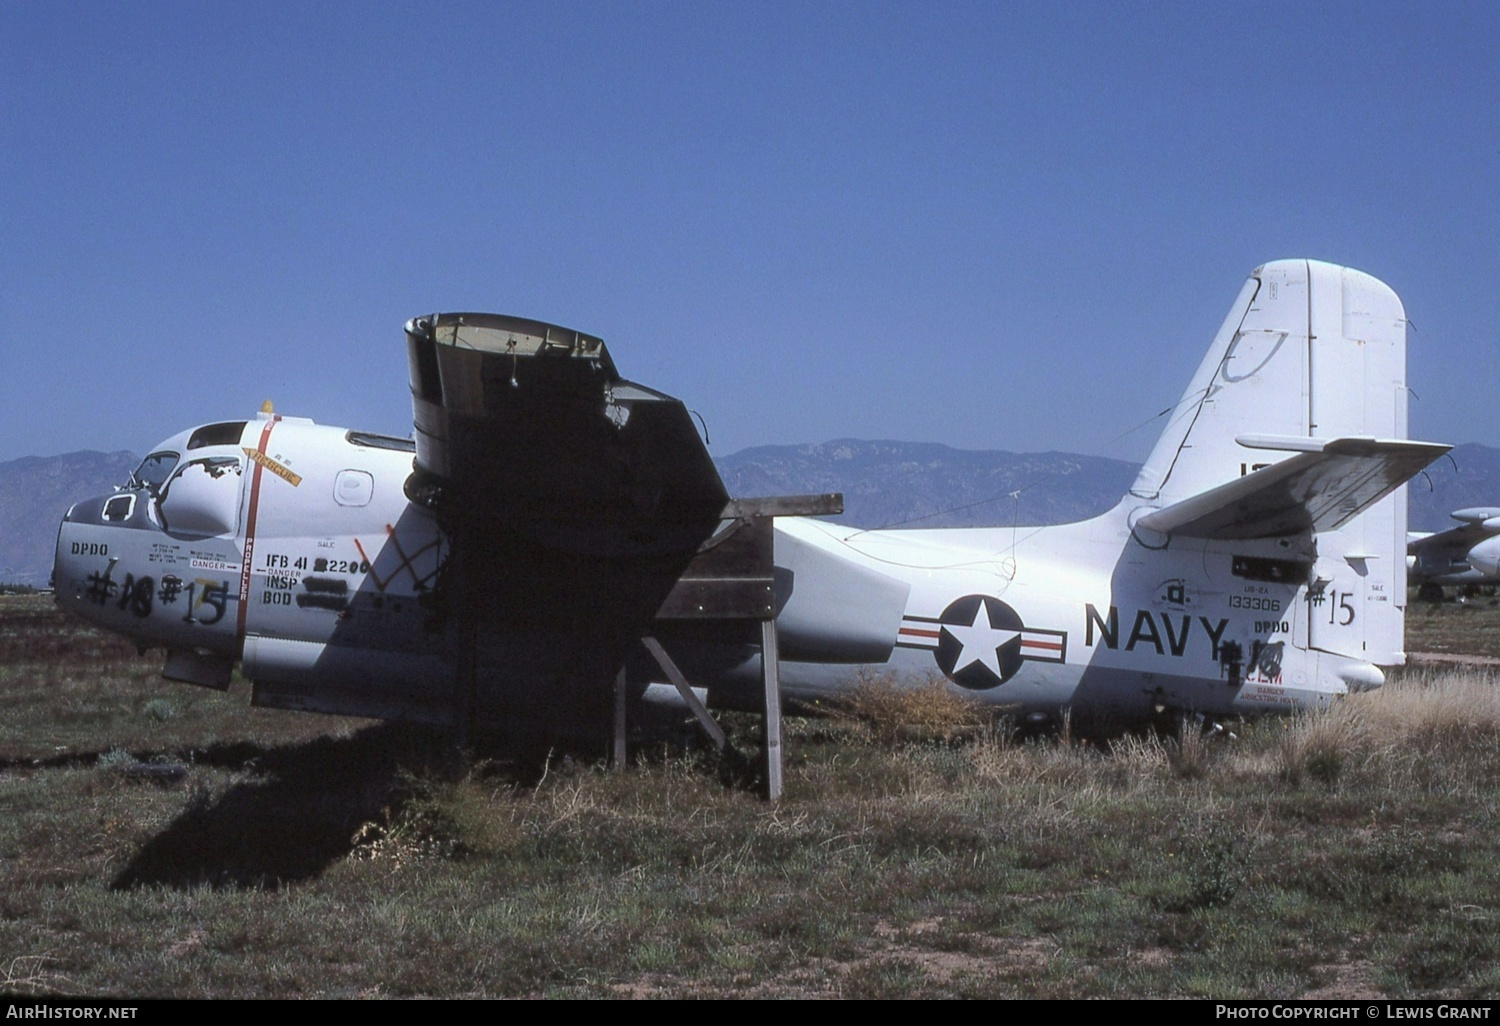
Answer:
(959, 565)
(1015, 528)
(962, 564)
(945, 512)
(1016, 493)
(1149, 420)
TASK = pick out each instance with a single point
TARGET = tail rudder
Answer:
(1308, 350)
(1309, 353)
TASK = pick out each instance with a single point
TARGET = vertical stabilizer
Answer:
(1309, 350)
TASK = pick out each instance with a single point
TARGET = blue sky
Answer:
(999, 226)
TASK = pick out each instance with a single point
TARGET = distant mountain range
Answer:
(35, 492)
(885, 484)
(923, 484)
(1467, 476)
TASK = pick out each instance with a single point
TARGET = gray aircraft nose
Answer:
(89, 544)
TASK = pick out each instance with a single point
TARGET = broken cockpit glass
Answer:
(202, 497)
(153, 472)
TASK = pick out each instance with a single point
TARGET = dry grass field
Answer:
(162, 840)
(1466, 627)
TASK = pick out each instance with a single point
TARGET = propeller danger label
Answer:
(980, 642)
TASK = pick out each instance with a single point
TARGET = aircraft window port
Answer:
(119, 508)
(153, 472)
(374, 441)
(1277, 571)
(353, 488)
(217, 434)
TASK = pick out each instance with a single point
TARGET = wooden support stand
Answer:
(770, 676)
(617, 749)
(731, 582)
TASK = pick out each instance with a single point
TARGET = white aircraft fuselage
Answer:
(1258, 563)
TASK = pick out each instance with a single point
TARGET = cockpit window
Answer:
(153, 471)
(118, 508)
(217, 434)
(203, 496)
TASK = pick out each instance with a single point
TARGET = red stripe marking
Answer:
(249, 554)
(920, 633)
(1055, 646)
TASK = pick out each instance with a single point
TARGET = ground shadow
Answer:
(297, 817)
(307, 801)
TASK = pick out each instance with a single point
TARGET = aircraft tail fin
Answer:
(1276, 436)
(1308, 350)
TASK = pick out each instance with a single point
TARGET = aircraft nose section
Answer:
(85, 540)
(117, 566)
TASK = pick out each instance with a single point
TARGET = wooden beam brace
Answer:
(680, 683)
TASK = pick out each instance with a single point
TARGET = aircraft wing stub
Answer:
(739, 513)
(829, 504)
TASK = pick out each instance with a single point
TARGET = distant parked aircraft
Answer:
(1466, 554)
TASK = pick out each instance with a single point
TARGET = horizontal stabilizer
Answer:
(1326, 484)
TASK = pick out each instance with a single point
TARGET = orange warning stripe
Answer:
(248, 557)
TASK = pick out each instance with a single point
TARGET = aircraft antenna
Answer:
(1015, 493)
(1149, 420)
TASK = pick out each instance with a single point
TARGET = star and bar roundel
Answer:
(980, 642)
